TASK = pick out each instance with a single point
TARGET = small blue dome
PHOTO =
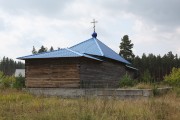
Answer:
(94, 35)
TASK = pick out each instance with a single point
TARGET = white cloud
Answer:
(150, 26)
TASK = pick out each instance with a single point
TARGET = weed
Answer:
(15, 104)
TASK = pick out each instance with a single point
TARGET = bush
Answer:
(173, 78)
(146, 77)
(6, 81)
(19, 82)
(126, 81)
(11, 81)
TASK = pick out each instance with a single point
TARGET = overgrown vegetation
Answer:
(11, 81)
(6, 81)
(158, 66)
(19, 105)
(126, 81)
(19, 82)
(173, 78)
(146, 77)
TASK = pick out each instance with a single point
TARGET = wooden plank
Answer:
(52, 73)
(101, 75)
(52, 84)
(53, 79)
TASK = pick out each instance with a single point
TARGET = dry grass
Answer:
(149, 86)
(17, 105)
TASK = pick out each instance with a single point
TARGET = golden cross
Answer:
(94, 22)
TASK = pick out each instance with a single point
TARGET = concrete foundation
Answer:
(117, 93)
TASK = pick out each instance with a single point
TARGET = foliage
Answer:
(51, 49)
(11, 81)
(146, 77)
(155, 90)
(19, 105)
(126, 81)
(1, 78)
(42, 49)
(19, 82)
(173, 78)
(157, 65)
(34, 50)
(8, 66)
(126, 48)
(6, 81)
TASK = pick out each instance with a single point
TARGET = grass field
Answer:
(18, 105)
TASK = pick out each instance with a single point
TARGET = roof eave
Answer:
(133, 68)
(85, 56)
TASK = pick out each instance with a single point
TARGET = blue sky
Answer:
(153, 26)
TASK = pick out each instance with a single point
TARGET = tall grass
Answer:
(18, 105)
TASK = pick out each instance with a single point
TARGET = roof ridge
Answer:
(88, 56)
(80, 43)
(74, 51)
(99, 47)
(111, 51)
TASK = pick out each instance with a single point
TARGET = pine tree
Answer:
(8, 66)
(42, 49)
(126, 48)
(51, 49)
(34, 50)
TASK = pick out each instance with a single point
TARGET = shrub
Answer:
(146, 77)
(173, 78)
(1, 78)
(155, 90)
(126, 81)
(19, 82)
(6, 81)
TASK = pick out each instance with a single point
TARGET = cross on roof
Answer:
(94, 22)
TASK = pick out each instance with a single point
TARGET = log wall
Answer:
(104, 74)
(73, 73)
(52, 73)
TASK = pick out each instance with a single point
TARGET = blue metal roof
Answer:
(95, 47)
(109, 53)
(84, 49)
(58, 54)
(53, 54)
(89, 47)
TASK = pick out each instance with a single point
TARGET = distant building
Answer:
(89, 64)
(19, 72)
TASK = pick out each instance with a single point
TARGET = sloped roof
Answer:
(84, 49)
(62, 53)
(95, 47)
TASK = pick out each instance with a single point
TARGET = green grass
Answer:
(18, 105)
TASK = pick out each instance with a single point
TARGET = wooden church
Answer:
(89, 64)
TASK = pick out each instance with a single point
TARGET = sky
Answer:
(152, 26)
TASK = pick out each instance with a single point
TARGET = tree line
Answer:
(42, 49)
(8, 66)
(156, 66)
